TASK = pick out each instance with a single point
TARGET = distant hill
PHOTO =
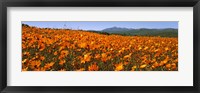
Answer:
(167, 32)
(115, 29)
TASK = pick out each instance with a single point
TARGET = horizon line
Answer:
(97, 30)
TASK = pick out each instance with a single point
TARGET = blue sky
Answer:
(100, 25)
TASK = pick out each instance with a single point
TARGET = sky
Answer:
(100, 25)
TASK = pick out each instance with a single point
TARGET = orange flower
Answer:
(64, 52)
(49, 65)
(35, 64)
(166, 49)
(61, 48)
(168, 66)
(42, 58)
(155, 65)
(93, 67)
(82, 45)
(126, 63)
(104, 57)
(173, 66)
(41, 46)
(119, 67)
(166, 60)
(55, 53)
(97, 56)
(25, 69)
(26, 54)
(86, 58)
(62, 62)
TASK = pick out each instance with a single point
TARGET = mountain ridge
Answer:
(124, 28)
(163, 32)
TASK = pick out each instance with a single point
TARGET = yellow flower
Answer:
(133, 68)
(143, 66)
(25, 60)
(81, 69)
(127, 56)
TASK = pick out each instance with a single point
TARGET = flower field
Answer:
(45, 49)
